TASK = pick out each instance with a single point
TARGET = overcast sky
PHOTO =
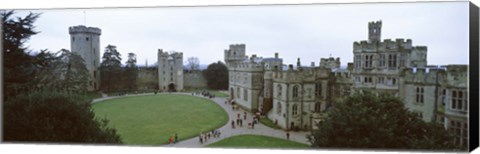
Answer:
(309, 32)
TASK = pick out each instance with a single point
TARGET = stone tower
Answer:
(86, 42)
(374, 31)
(170, 71)
(235, 53)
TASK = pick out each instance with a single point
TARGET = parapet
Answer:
(83, 29)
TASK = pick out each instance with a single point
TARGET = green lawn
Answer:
(269, 123)
(150, 120)
(257, 141)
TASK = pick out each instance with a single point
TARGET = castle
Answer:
(297, 96)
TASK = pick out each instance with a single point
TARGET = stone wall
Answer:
(194, 79)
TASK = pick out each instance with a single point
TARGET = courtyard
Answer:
(150, 119)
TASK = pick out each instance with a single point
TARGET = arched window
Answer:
(279, 90)
(317, 107)
(294, 109)
(318, 89)
(295, 91)
(279, 108)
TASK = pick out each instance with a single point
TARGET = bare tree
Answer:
(193, 63)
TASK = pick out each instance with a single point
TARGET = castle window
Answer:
(382, 60)
(245, 94)
(419, 95)
(238, 92)
(279, 90)
(318, 89)
(368, 61)
(460, 131)
(86, 38)
(294, 109)
(402, 60)
(295, 91)
(94, 74)
(317, 107)
(279, 108)
(357, 61)
(73, 39)
(392, 60)
(380, 80)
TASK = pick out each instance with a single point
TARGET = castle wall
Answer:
(194, 80)
(147, 78)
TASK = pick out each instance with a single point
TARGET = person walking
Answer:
(233, 124)
(253, 125)
(170, 140)
(288, 135)
(201, 139)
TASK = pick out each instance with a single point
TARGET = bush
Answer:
(54, 117)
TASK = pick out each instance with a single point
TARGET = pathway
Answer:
(227, 130)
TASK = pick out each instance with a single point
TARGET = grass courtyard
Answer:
(151, 120)
(257, 141)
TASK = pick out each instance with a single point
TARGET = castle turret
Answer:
(86, 42)
(374, 31)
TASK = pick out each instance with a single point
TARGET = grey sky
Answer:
(310, 32)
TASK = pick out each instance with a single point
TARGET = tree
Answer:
(54, 117)
(74, 73)
(216, 75)
(369, 121)
(18, 66)
(193, 63)
(110, 68)
(131, 72)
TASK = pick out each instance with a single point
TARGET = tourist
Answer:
(201, 139)
(170, 140)
(253, 125)
(208, 135)
(176, 138)
(288, 135)
(205, 137)
(245, 116)
(238, 115)
(233, 124)
(241, 122)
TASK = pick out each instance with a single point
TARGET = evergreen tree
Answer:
(18, 65)
(110, 68)
(131, 72)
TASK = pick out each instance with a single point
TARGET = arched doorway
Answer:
(171, 87)
(231, 93)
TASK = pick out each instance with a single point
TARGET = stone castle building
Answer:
(296, 97)
(170, 71)
(86, 42)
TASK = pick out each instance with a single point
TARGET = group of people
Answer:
(204, 137)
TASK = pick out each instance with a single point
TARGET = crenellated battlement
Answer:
(84, 29)
(385, 45)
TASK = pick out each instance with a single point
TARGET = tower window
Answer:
(86, 39)
(73, 39)
(294, 109)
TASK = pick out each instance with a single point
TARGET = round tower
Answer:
(85, 41)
